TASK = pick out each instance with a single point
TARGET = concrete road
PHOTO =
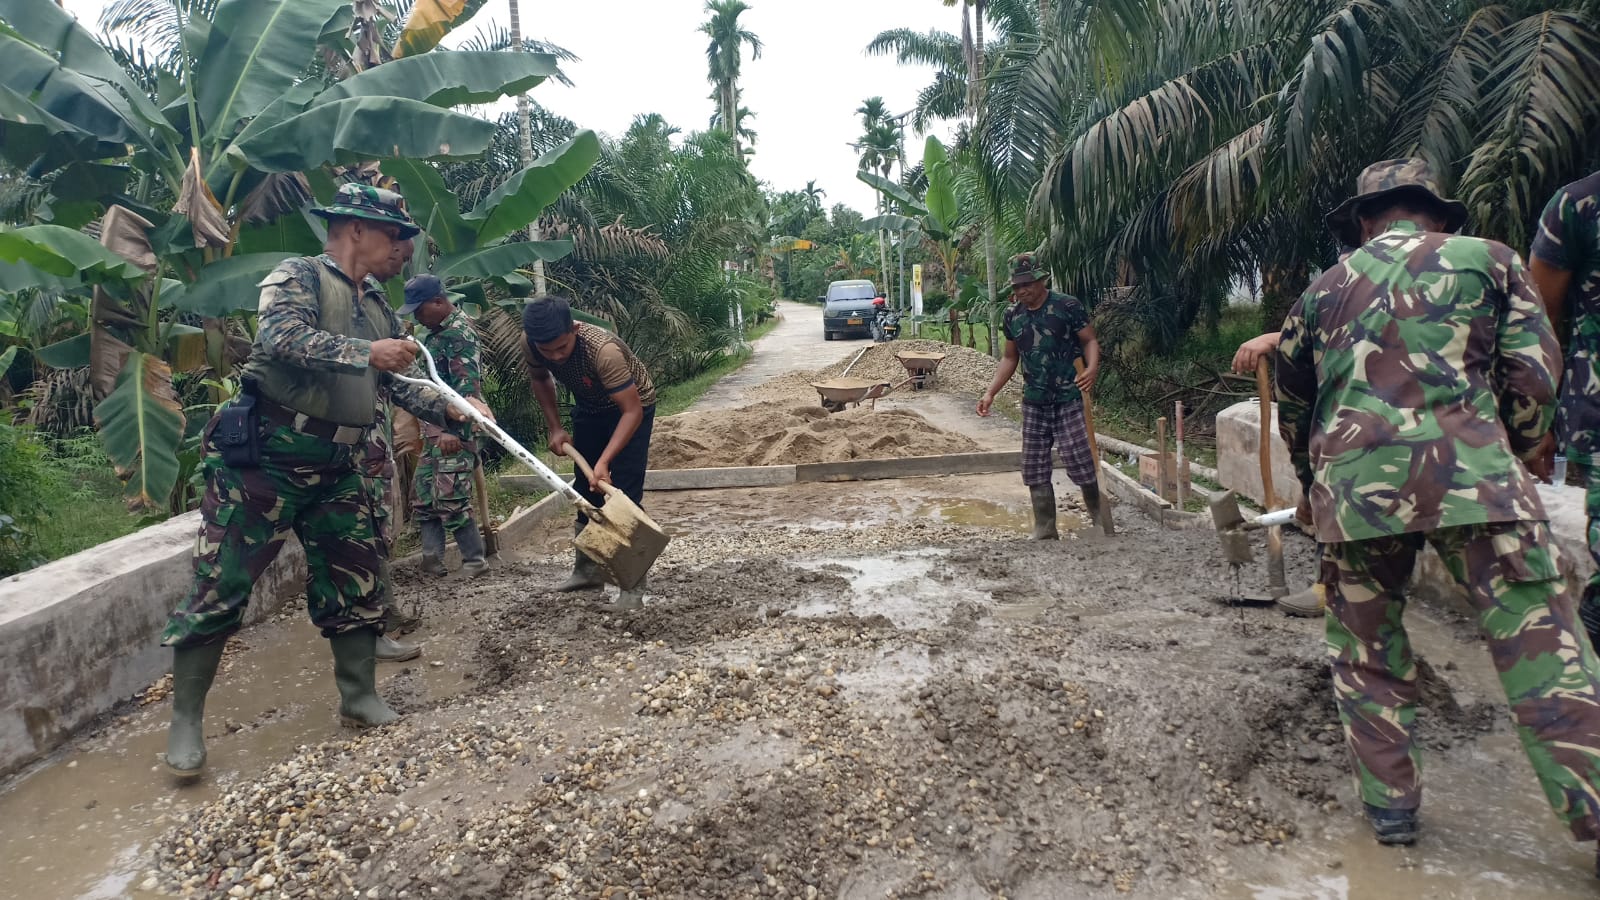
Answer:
(796, 344)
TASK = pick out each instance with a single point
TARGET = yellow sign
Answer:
(916, 276)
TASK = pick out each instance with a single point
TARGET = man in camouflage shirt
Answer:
(1413, 378)
(1046, 333)
(443, 484)
(1566, 267)
(326, 343)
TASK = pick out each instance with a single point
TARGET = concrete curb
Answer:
(81, 634)
(1130, 491)
(805, 473)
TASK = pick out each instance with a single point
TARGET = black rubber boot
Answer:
(432, 546)
(469, 540)
(629, 600)
(193, 669)
(355, 671)
(1044, 511)
(1393, 826)
(1098, 506)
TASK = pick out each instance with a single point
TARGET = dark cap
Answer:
(419, 290)
(546, 319)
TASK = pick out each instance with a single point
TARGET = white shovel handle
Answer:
(1272, 519)
(556, 482)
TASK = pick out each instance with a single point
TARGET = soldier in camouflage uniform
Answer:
(377, 465)
(1411, 378)
(1566, 267)
(443, 483)
(325, 343)
(1046, 333)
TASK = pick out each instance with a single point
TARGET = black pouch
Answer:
(238, 433)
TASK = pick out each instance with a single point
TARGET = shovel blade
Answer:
(622, 540)
(1229, 522)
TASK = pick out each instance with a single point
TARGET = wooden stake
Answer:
(1163, 461)
(1180, 462)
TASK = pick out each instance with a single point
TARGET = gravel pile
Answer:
(963, 371)
(754, 732)
(783, 433)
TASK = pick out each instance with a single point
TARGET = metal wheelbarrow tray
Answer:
(837, 393)
(923, 368)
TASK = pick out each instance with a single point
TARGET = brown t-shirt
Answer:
(600, 366)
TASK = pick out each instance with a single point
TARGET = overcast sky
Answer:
(640, 56)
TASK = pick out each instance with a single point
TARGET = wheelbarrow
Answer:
(837, 393)
(620, 538)
(922, 369)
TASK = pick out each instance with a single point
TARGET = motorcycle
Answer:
(885, 325)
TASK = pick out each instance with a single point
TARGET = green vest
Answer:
(344, 398)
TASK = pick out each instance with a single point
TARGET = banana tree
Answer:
(231, 134)
(937, 217)
(474, 248)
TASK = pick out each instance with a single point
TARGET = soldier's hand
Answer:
(1542, 461)
(449, 443)
(559, 439)
(1251, 351)
(457, 415)
(393, 354)
(1086, 379)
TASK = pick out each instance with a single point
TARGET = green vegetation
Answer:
(56, 498)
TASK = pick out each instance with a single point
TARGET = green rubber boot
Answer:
(585, 574)
(193, 669)
(432, 547)
(469, 540)
(355, 670)
(1044, 511)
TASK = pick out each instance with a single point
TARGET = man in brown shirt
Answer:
(614, 407)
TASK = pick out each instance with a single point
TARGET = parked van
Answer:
(847, 309)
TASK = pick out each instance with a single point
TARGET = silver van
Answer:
(847, 309)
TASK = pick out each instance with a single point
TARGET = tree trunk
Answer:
(525, 141)
(1281, 285)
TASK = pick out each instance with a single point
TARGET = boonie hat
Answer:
(363, 201)
(419, 290)
(1388, 178)
(1025, 269)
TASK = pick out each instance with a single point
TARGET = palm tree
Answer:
(723, 57)
(873, 112)
(813, 198)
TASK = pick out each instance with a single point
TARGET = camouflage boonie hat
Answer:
(363, 201)
(1387, 178)
(1026, 269)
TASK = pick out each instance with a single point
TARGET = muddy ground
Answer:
(861, 702)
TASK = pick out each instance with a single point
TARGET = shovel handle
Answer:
(572, 453)
(489, 427)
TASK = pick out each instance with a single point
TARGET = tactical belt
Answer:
(284, 417)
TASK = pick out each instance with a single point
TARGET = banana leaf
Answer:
(62, 252)
(141, 425)
(29, 133)
(521, 198)
(363, 128)
(430, 21)
(72, 353)
(431, 202)
(941, 195)
(257, 50)
(893, 191)
(226, 286)
(448, 77)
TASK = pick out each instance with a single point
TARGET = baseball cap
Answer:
(419, 290)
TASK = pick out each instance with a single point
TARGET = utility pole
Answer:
(525, 141)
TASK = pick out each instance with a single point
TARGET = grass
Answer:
(76, 496)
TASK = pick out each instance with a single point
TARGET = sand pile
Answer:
(963, 371)
(784, 433)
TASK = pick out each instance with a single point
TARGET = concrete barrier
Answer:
(80, 635)
(1239, 458)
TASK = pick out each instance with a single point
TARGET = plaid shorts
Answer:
(1061, 425)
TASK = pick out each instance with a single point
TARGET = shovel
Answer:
(621, 539)
(628, 541)
(1233, 528)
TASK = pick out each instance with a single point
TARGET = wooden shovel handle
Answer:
(1264, 388)
(572, 453)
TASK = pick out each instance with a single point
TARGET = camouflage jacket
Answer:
(1047, 345)
(455, 353)
(287, 331)
(1410, 378)
(1569, 239)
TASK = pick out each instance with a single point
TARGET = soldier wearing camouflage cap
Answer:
(1414, 378)
(287, 455)
(1566, 267)
(1046, 333)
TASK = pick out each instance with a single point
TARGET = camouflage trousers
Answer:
(1548, 671)
(306, 485)
(1589, 606)
(444, 486)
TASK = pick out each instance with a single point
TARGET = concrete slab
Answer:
(80, 635)
(1238, 455)
(733, 477)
